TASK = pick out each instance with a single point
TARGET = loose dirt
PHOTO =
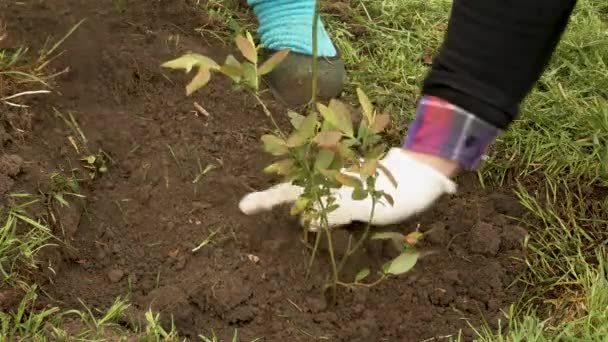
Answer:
(134, 233)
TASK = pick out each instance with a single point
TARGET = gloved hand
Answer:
(419, 185)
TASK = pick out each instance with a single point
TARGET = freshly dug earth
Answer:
(134, 233)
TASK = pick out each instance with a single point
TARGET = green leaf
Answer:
(337, 119)
(331, 174)
(308, 126)
(345, 152)
(283, 167)
(324, 159)
(201, 78)
(249, 74)
(331, 208)
(230, 60)
(337, 163)
(73, 185)
(300, 204)
(373, 139)
(235, 73)
(328, 139)
(341, 110)
(272, 62)
(366, 105)
(388, 236)
(375, 152)
(61, 200)
(90, 159)
(327, 126)
(389, 199)
(348, 180)
(232, 68)
(403, 263)
(362, 275)
(247, 48)
(190, 60)
(305, 131)
(363, 130)
(351, 142)
(359, 194)
(274, 145)
(380, 123)
(386, 266)
(369, 167)
(295, 119)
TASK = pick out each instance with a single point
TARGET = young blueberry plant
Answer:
(326, 149)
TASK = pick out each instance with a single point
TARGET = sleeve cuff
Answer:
(445, 130)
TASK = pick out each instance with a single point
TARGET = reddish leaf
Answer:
(337, 118)
(380, 123)
(328, 139)
(200, 80)
(272, 62)
(247, 49)
(413, 237)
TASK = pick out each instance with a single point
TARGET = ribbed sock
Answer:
(288, 24)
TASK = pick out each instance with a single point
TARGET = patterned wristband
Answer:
(445, 130)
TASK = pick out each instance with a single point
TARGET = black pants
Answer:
(494, 51)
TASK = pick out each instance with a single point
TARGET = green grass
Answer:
(592, 299)
(23, 75)
(558, 148)
(52, 324)
(21, 237)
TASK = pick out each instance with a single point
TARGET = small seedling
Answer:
(208, 240)
(62, 186)
(96, 164)
(325, 150)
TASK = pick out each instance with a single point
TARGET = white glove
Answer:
(418, 186)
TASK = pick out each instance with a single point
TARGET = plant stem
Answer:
(314, 253)
(315, 53)
(332, 257)
(269, 114)
(359, 243)
(378, 281)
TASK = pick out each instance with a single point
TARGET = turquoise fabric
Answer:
(288, 24)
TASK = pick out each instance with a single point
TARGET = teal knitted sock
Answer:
(288, 24)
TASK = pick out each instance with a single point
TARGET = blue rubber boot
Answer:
(288, 24)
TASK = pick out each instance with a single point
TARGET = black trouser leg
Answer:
(494, 51)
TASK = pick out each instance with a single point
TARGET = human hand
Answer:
(421, 180)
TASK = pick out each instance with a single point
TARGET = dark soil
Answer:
(134, 232)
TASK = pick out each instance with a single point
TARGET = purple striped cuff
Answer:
(445, 130)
